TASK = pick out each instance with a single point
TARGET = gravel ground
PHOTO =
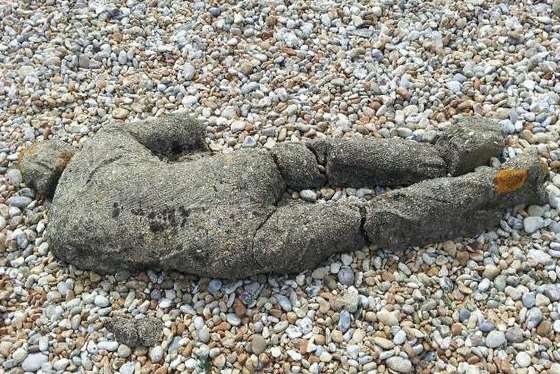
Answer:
(265, 72)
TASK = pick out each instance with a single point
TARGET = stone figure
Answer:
(151, 195)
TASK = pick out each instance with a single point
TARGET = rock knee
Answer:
(171, 136)
(298, 166)
(469, 143)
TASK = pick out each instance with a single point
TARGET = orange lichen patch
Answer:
(27, 152)
(510, 180)
(63, 160)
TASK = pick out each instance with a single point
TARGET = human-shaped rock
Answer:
(151, 195)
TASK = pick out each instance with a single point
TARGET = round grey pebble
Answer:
(101, 301)
(258, 344)
(464, 315)
(156, 353)
(204, 335)
(214, 286)
(34, 361)
(215, 11)
(528, 300)
(19, 201)
(14, 177)
(514, 334)
(346, 276)
(344, 321)
(124, 351)
(127, 368)
(495, 339)
(486, 326)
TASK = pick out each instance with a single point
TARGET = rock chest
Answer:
(151, 195)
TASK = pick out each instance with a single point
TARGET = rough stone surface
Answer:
(222, 215)
(135, 332)
(298, 237)
(43, 163)
(470, 142)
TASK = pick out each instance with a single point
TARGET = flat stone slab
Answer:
(151, 195)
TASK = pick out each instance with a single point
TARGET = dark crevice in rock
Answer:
(322, 165)
(268, 217)
(277, 168)
(285, 189)
(442, 153)
(363, 213)
(317, 157)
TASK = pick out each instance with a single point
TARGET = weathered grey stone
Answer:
(43, 163)
(469, 143)
(378, 162)
(298, 166)
(135, 332)
(446, 208)
(151, 195)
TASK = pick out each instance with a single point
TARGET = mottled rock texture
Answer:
(151, 195)
(135, 332)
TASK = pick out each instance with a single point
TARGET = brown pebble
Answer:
(544, 328)
(403, 92)
(456, 329)
(291, 317)
(319, 339)
(239, 309)
(303, 346)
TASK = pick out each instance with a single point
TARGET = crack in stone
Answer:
(322, 166)
(285, 189)
(101, 165)
(363, 214)
(268, 217)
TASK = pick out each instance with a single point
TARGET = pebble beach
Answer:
(261, 73)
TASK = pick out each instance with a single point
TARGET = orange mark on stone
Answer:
(62, 160)
(29, 152)
(510, 180)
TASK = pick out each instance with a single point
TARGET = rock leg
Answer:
(299, 236)
(447, 208)
(469, 143)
